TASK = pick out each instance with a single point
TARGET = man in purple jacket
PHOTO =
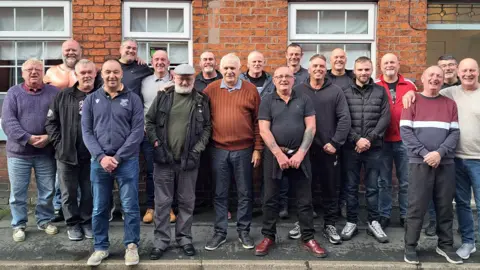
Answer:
(23, 116)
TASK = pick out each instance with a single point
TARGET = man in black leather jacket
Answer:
(178, 126)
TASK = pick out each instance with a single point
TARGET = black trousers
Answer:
(326, 177)
(72, 177)
(425, 183)
(271, 206)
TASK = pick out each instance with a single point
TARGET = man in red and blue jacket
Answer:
(393, 148)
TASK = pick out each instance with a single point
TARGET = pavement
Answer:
(41, 251)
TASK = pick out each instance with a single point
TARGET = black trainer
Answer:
(384, 222)
(410, 255)
(216, 241)
(246, 240)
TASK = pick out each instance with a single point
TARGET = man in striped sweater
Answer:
(236, 145)
(429, 129)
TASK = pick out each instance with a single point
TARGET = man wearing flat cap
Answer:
(178, 126)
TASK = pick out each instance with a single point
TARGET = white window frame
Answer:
(368, 38)
(186, 36)
(293, 8)
(43, 35)
(187, 19)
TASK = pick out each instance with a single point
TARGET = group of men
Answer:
(312, 127)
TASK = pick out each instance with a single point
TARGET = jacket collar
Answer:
(201, 78)
(401, 79)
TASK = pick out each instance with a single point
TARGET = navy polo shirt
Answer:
(287, 120)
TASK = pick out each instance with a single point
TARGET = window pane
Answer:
(53, 19)
(175, 20)
(357, 22)
(138, 20)
(6, 19)
(157, 20)
(307, 22)
(7, 50)
(332, 22)
(29, 49)
(53, 50)
(142, 52)
(28, 19)
(178, 53)
(308, 51)
(7, 78)
(356, 50)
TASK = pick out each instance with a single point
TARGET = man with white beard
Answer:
(178, 126)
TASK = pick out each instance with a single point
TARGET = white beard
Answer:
(183, 90)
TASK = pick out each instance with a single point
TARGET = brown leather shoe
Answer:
(148, 218)
(313, 247)
(262, 248)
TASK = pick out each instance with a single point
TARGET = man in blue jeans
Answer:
(112, 129)
(467, 155)
(28, 146)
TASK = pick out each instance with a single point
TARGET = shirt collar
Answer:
(292, 96)
(32, 90)
(165, 78)
(236, 87)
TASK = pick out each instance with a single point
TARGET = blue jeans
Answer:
(353, 163)
(467, 178)
(393, 152)
(126, 175)
(19, 173)
(226, 164)
(147, 150)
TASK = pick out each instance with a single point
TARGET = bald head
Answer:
(71, 53)
(468, 73)
(255, 64)
(432, 79)
(112, 75)
(160, 63)
(338, 60)
(390, 67)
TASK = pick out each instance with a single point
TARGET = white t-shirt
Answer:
(468, 104)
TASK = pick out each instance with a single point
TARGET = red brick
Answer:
(82, 16)
(98, 16)
(113, 16)
(113, 30)
(98, 23)
(111, 45)
(82, 2)
(99, 9)
(99, 30)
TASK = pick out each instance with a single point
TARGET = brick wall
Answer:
(395, 35)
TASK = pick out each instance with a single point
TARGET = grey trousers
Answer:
(71, 178)
(425, 183)
(165, 177)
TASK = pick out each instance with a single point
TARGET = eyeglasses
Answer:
(281, 77)
(30, 70)
(450, 65)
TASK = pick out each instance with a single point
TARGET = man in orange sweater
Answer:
(236, 148)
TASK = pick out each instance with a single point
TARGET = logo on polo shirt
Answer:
(97, 100)
(124, 102)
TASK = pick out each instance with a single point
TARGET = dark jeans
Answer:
(467, 179)
(425, 183)
(431, 212)
(126, 175)
(393, 152)
(354, 161)
(166, 177)
(147, 150)
(271, 204)
(72, 178)
(226, 164)
(326, 173)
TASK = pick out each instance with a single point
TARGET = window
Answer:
(320, 28)
(160, 25)
(453, 16)
(31, 29)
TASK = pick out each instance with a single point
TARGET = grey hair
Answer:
(231, 56)
(33, 61)
(83, 62)
(129, 39)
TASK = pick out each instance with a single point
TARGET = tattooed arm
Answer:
(308, 135)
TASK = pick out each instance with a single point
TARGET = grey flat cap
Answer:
(184, 69)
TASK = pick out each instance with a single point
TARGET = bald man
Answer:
(430, 130)
(115, 151)
(338, 74)
(256, 74)
(394, 151)
(467, 155)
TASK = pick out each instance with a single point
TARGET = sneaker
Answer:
(410, 255)
(57, 215)
(374, 229)
(19, 234)
(349, 231)
(384, 222)
(295, 233)
(330, 232)
(97, 257)
(131, 255)
(283, 213)
(216, 241)
(246, 240)
(431, 229)
(48, 228)
(111, 212)
(465, 250)
(148, 218)
(87, 231)
(75, 233)
(173, 218)
(450, 255)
